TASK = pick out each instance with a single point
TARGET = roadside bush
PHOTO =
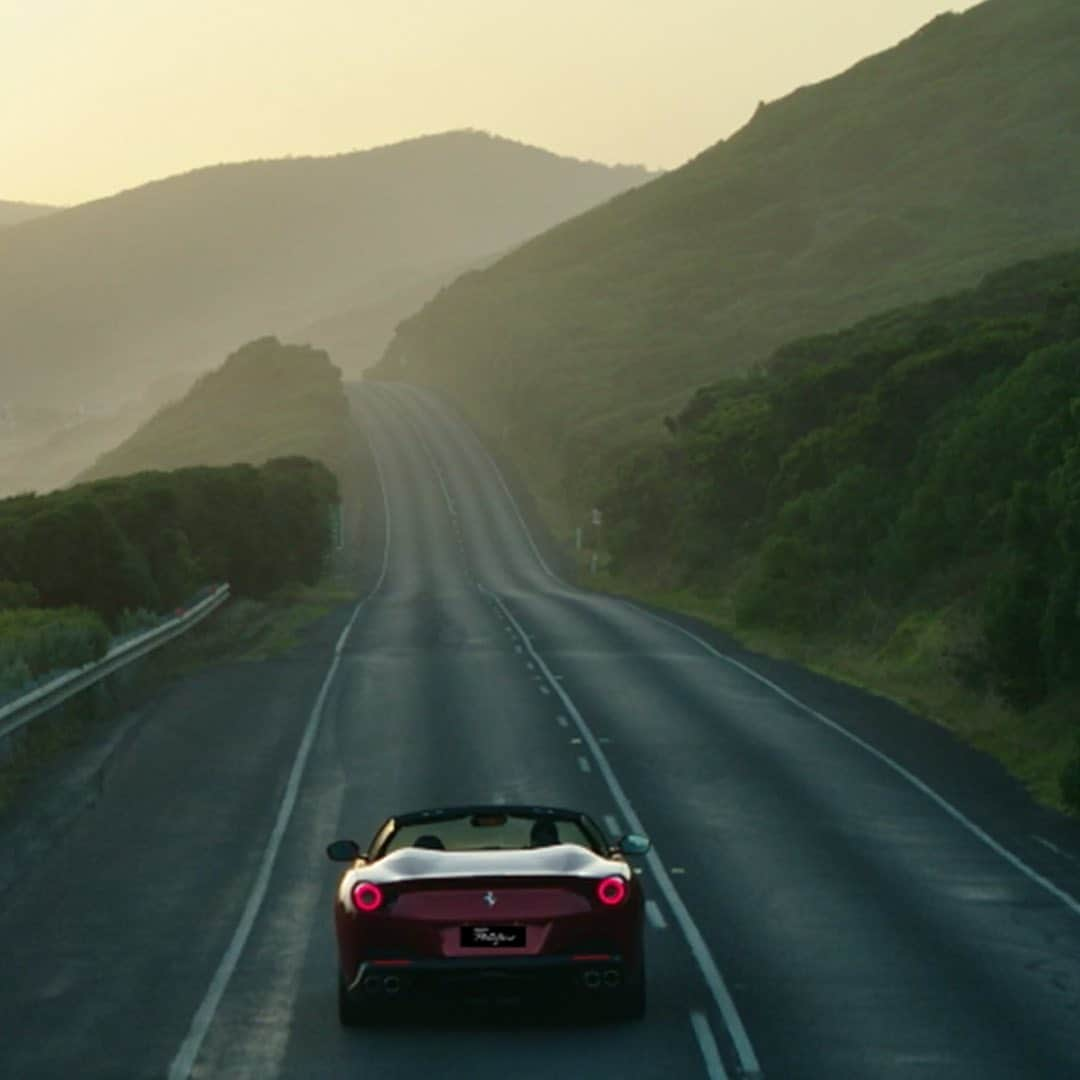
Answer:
(14, 675)
(17, 594)
(48, 640)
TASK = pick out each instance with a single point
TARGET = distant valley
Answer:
(102, 301)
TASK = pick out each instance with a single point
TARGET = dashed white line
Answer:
(714, 1067)
(583, 764)
(655, 915)
(544, 690)
(562, 721)
(699, 948)
(611, 823)
(1053, 847)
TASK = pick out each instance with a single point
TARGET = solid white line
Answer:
(694, 939)
(1069, 901)
(612, 825)
(1013, 860)
(714, 1067)
(583, 764)
(184, 1062)
(655, 915)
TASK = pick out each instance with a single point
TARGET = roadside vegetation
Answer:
(898, 503)
(911, 175)
(75, 564)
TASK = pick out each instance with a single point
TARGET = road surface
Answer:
(836, 889)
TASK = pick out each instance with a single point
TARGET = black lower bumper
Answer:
(483, 977)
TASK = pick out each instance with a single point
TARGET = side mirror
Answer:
(633, 844)
(344, 851)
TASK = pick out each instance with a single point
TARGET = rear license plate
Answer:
(493, 937)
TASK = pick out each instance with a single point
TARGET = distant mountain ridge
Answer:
(13, 213)
(101, 299)
(912, 174)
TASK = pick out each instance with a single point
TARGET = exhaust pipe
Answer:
(392, 984)
(592, 979)
(612, 977)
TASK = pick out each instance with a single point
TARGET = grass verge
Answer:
(919, 664)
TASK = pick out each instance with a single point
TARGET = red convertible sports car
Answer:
(489, 902)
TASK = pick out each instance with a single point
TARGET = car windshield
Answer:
(487, 831)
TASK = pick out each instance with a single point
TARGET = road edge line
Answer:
(185, 1058)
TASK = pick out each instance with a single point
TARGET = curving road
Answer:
(836, 890)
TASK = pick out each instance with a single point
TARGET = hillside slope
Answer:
(899, 501)
(12, 213)
(99, 300)
(266, 401)
(913, 173)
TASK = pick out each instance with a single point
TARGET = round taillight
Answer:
(611, 891)
(366, 896)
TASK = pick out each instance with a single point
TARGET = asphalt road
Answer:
(836, 889)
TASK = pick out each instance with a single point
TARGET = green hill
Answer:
(912, 174)
(899, 501)
(98, 301)
(266, 401)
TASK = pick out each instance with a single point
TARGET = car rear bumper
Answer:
(598, 975)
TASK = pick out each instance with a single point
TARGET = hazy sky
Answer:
(101, 95)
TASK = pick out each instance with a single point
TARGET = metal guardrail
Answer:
(21, 711)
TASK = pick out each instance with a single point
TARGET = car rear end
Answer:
(493, 936)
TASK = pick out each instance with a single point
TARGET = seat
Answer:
(543, 834)
(430, 842)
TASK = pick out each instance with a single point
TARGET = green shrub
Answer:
(50, 640)
(17, 594)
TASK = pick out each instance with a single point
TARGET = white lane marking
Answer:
(562, 721)
(422, 438)
(184, 1062)
(699, 948)
(1014, 860)
(714, 1067)
(1069, 901)
(583, 764)
(655, 915)
(1053, 847)
(544, 690)
(530, 665)
(611, 823)
(677, 870)
(513, 502)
